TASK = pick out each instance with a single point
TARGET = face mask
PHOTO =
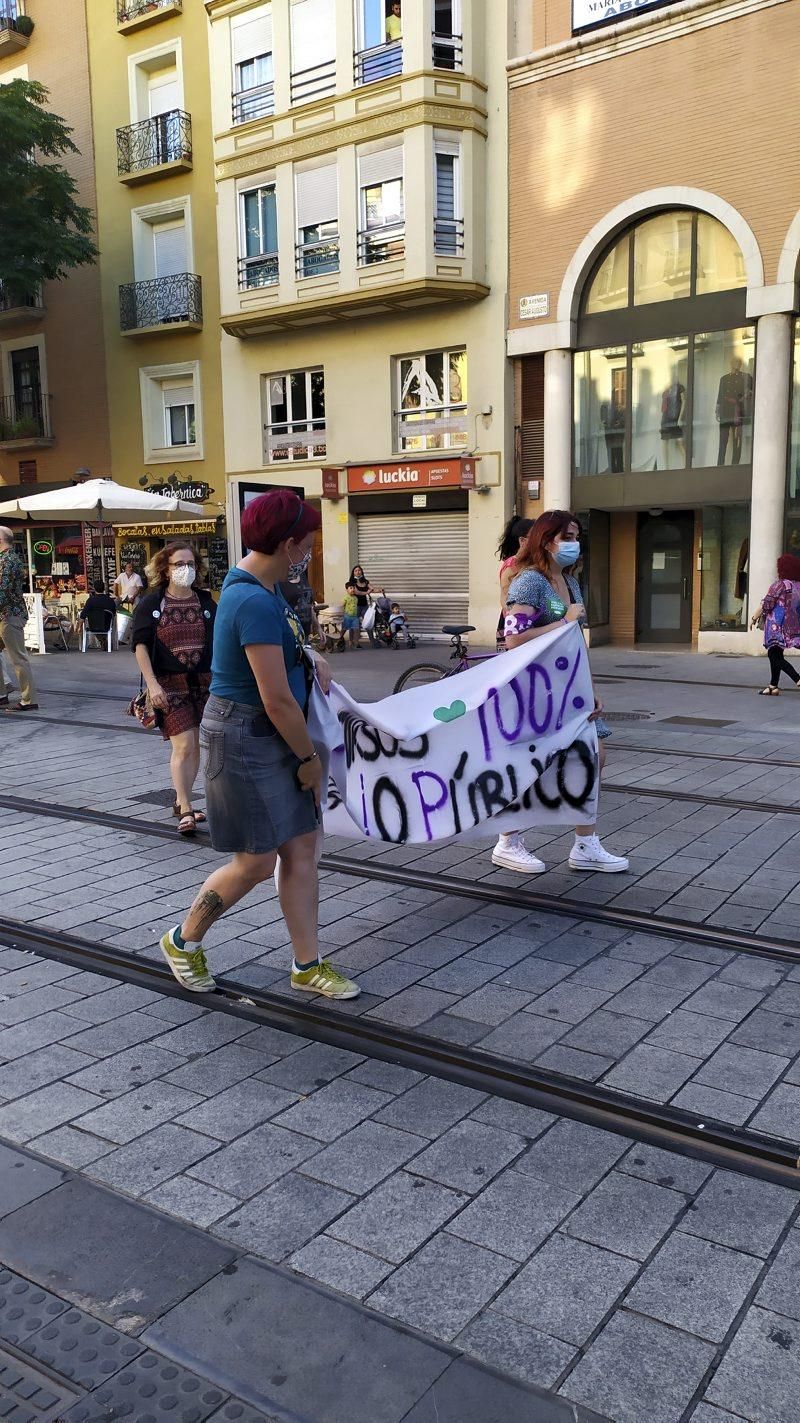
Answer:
(183, 577)
(296, 570)
(567, 553)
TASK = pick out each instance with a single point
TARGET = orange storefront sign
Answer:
(389, 478)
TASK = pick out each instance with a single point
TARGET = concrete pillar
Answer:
(557, 429)
(770, 437)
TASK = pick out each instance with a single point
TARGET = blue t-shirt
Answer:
(249, 614)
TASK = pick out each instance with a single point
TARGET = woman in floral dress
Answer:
(780, 610)
(172, 638)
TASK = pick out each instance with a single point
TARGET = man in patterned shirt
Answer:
(13, 616)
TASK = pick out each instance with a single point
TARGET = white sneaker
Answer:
(588, 854)
(513, 855)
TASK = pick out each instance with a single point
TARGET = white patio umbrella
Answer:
(98, 501)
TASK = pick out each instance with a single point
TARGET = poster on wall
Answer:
(586, 14)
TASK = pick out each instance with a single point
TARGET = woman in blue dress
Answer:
(544, 594)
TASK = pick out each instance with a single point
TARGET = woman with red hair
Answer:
(780, 609)
(263, 774)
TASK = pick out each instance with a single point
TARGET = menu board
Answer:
(132, 552)
(217, 563)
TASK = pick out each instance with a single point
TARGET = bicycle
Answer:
(423, 674)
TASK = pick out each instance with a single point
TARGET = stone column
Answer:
(557, 429)
(770, 449)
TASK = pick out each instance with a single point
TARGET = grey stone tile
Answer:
(413, 1006)
(759, 1377)
(363, 1157)
(395, 1218)
(71, 1146)
(712, 1104)
(36, 1069)
(273, 1041)
(101, 1007)
(443, 1287)
(771, 1032)
(695, 1034)
(36, 973)
(525, 1121)
(40, 1032)
(638, 1369)
(647, 1000)
(678, 972)
(705, 1413)
(534, 975)
(516, 1348)
(468, 1156)
(746, 1070)
(785, 999)
(24, 1006)
(750, 972)
(205, 1034)
(314, 1066)
(333, 1110)
(571, 1062)
(652, 1072)
(108, 1039)
(44, 1109)
(523, 1037)
(780, 1290)
(514, 1215)
(285, 1216)
(192, 1200)
(449, 1028)
(461, 978)
(569, 1003)
(215, 1071)
(254, 1161)
(695, 1285)
(643, 948)
(114, 1076)
(137, 1112)
(724, 1000)
(626, 1214)
(504, 950)
(665, 1168)
(385, 1076)
(740, 1212)
(431, 1107)
(491, 1004)
(340, 1266)
(436, 952)
(606, 973)
(780, 1114)
(566, 1289)
(235, 1111)
(148, 1160)
(23, 1180)
(609, 1034)
(572, 1155)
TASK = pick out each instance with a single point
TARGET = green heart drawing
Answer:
(451, 713)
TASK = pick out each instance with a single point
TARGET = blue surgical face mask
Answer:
(567, 553)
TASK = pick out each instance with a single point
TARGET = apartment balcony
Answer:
(382, 61)
(19, 308)
(138, 14)
(15, 28)
(26, 424)
(256, 272)
(448, 236)
(448, 51)
(164, 304)
(255, 103)
(314, 83)
(381, 244)
(155, 148)
(317, 259)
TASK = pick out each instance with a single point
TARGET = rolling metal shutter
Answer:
(422, 560)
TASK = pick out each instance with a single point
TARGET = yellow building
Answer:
(53, 408)
(362, 212)
(157, 236)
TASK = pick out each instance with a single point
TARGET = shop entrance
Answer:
(664, 577)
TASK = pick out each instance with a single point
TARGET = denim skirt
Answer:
(253, 801)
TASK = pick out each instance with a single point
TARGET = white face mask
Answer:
(297, 569)
(183, 577)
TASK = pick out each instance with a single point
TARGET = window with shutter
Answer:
(258, 239)
(432, 406)
(179, 413)
(294, 425)
(448, 226)
(317, 202)
(251, 43)
(313, 37)
(382, 232)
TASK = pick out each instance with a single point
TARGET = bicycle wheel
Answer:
(421, 675)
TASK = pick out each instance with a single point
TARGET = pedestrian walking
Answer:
(511, 851)
(543, 595)
(172, 637)
(13, 617)
(263, 773)
(779, 614)
(363, 588)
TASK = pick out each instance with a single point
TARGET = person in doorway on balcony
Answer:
(172, 638)
(779, 612)
(394, 23)
(544, 594)
(363, 589)
(263, 772)
(13, 617)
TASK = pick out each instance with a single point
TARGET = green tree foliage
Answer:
(44, 231)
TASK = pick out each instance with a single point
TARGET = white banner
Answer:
(504, 746)
(587, 13)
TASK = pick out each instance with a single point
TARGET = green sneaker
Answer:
(188, 965)
(325, 979)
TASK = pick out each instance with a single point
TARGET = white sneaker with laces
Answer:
(513, 854)
(588, 854)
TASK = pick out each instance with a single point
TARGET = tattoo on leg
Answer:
(206, 910)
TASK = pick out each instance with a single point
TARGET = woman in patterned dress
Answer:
(172, 637)
(780, 612)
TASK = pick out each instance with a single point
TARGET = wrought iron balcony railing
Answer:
(166, 138)
(164, 301)
(138, 9)
(381, 244)
(255, 103)
(260, 271)
(11, 299)
(448, 236)
(314, 83)
(27, 419)
(379, 62)
(448, 51)
(314, 259)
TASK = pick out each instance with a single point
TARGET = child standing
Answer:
(351, 623)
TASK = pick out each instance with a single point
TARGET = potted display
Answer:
(24, 26)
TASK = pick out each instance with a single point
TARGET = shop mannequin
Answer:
(734, 400)
(673, 409)
(612, 417)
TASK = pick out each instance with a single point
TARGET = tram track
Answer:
(707, 756)
(670, 1128)
(633, 921)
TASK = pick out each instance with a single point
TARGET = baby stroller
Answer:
(331, 626)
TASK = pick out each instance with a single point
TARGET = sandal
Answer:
(770, 692)
(186, 825)
(200, 817)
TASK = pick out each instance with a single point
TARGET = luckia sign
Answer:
(588, 13)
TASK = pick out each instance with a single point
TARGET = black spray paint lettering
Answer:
(533, 707)
(368, 743)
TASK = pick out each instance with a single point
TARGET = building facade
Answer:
(654, 238)
(53, 401)
(360, 151)
(158, 263)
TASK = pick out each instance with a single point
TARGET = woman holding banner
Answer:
(543, 595)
